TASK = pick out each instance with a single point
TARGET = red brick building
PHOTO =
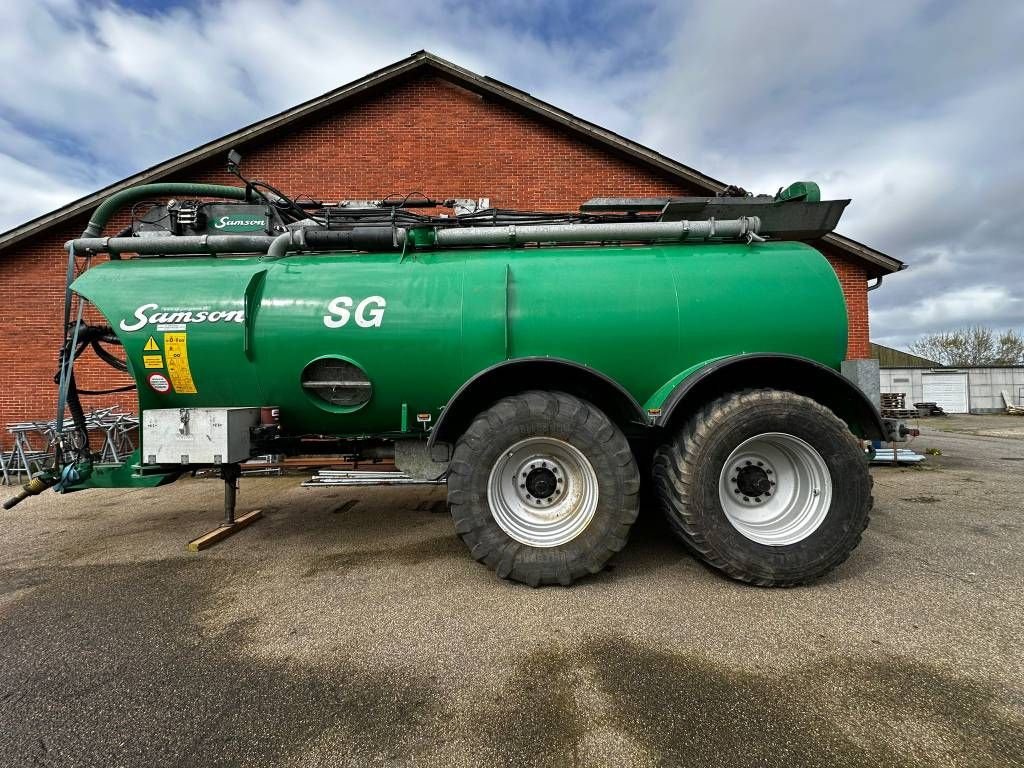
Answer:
(422, 124)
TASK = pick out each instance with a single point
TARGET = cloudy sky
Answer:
(913, 109)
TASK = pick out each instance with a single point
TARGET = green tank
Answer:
(539, 364)
(254, 333)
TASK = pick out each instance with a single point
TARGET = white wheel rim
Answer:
(542, 492)
(775, 489)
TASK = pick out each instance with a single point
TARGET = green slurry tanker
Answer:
(543, 365)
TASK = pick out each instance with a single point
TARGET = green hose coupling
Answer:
(421, 237)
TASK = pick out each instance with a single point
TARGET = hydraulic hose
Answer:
(116, 201)
(85, 335)
(76, 410)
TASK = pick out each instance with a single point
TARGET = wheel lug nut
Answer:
(768, 471)
(746, 498)
(760, 463)
(737, 490)
(747, 463)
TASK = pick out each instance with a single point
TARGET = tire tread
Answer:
(505, 556)
(673, 471)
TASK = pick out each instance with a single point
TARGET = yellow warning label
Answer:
(176, 350)
(151, 346)
(153, 361)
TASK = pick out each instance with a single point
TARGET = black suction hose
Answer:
(116, 201)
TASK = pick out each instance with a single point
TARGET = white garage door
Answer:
(949, 390)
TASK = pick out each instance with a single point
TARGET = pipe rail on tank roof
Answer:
(513, 234)
(386, 238)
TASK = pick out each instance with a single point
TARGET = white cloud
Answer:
(125, 90)
(912, 109)
(976, 304)
(29, 192)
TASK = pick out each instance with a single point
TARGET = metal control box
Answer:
(198, 435)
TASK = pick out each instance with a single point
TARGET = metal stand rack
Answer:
(33, 443)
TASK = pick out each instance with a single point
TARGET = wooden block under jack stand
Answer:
(222, 532)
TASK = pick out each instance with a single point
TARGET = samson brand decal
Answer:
(145, 315)
(239, 223)
(369, 312)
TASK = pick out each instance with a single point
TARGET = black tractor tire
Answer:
(493, 435)
(687, 473)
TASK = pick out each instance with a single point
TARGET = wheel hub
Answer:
(541, 482)
(753, 480)
(775, 489)
(542, 491)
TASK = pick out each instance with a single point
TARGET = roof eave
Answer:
(210, 149)
(882, 263)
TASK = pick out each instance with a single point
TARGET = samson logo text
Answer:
(145, 315)
(231, 221)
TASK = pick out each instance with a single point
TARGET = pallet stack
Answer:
(929, 409)
(894, 406)
(892, 400)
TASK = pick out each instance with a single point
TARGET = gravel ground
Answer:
(350, 627)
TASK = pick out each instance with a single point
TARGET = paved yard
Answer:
(349, 627)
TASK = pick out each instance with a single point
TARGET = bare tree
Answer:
(972, 346)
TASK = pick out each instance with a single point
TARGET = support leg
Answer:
(230, 474)
(231, 525)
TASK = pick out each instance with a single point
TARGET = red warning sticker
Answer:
(159, 383)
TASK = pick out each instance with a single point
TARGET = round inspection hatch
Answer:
(337, 382)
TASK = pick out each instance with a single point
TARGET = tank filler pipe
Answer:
(383, 239)
(292, 240)
(572, 233)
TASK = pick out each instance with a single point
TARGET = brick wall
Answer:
(855, 287)
(425, 135)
